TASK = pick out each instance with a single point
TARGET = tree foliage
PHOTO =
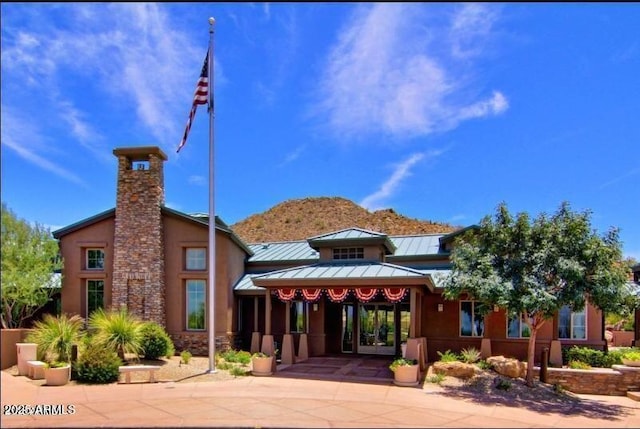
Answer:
(29, 258)
(534, 267)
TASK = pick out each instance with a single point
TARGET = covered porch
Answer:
(347, 309)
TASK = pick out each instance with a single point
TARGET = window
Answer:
(95, 259)
(95, 295)
(572, 324)
(471, 322)
(516, 328)
(349, 253)
(297, 319)
(196, 259)
(196, 301)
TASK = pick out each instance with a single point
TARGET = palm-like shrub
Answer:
(117, 330)
(55, 336)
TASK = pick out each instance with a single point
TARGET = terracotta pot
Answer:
(406, 375)
(634, 363)
(57, 376)
(262, 365)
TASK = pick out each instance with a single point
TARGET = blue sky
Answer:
(439, 111)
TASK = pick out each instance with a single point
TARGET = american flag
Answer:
(201, 96)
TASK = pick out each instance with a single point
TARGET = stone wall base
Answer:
(198, 342)
(597, 381)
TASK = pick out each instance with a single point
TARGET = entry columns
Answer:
(288, 355)
(255, 336)
(268, 346)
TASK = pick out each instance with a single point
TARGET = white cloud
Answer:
(471, 25)
(197, 180)
(293, 155)
(15, 130)
(133, 51)
(375, 200)
(389, 73)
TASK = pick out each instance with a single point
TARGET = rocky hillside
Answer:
(307, 217)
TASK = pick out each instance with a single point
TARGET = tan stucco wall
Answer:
(442, 331)
(74, 278)
(230, 264)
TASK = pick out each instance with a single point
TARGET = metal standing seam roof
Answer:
(348, 233)
(282, 251)
(323, 271)
(418, 245)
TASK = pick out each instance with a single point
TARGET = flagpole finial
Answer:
(212, 20)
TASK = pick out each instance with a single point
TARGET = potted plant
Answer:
(55, 337)
(631, 358)
(405, 372)
(262, 364)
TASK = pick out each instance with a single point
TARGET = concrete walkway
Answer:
(254, 402)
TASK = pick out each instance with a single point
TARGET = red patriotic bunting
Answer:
(366, 294)
(311, 294)
(286, 294)
(394, 294)
(337, 295)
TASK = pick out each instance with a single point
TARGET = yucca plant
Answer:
(118, 330)
(55, 336)
(470, 355)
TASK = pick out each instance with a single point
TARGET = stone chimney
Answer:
(138, 263)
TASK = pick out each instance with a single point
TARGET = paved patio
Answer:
(290, 402)
(362, 369)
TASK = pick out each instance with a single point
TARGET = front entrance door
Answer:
(376, 329)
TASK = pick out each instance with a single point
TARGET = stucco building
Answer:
(344, 292)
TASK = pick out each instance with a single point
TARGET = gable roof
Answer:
(199, 219)
(352, 237)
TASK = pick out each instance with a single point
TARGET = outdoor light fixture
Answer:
(495, 309)
(315, 307)
(440, 308)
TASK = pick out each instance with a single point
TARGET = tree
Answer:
(29, 258)
(535, 267)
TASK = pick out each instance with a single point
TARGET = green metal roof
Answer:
(347, 270)
(352, 237)
(297, 251)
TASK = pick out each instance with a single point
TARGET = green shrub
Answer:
(171, 350)
(238, 371)
(402, 362)
(448, 356)
(633, 355)
(592, 357)
(185, 356)
(97, 364)
(237, 356)
(117, 330)
(154, 341)
(225, 365)
(576, 364)
(470, 355)
(502, 384)
(483, 364)
(436, 378)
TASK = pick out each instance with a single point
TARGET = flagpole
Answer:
(212, 212)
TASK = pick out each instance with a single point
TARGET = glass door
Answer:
(347, 328)
(376, 329)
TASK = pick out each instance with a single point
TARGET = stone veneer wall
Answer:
(138, 263)
(198, 342)
(597, 381)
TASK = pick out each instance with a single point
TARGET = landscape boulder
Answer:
(508, 367)
(455, 369)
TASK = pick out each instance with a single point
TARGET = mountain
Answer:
(300, 219)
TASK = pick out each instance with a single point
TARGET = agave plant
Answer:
(55, 336)
(117, 330)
